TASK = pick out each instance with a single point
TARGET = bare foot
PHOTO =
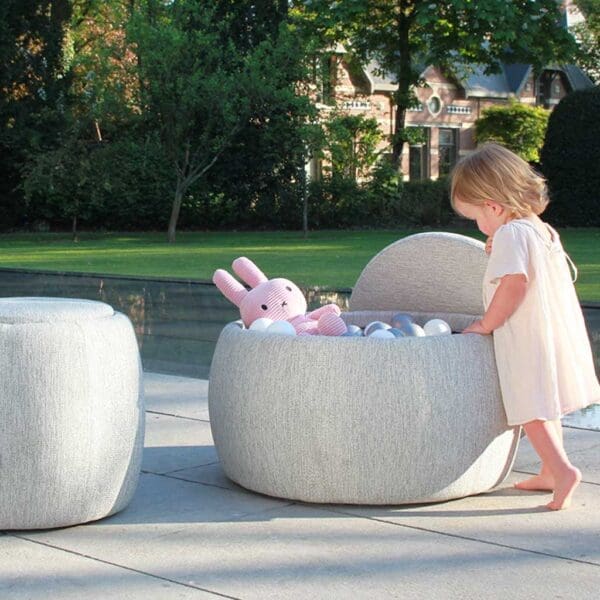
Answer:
(538, 482)
(564, 490)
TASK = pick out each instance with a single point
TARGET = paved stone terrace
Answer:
(191, 533)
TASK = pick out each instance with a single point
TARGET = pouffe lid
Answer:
(51, 310)
(427, 272)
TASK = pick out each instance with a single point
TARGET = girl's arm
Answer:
(507, 298)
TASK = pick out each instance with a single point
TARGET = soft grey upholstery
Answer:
(71, 412)
(434, 272)
(368, 421)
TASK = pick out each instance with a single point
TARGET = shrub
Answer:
(570, 159)
(343, 203)
(424, 203)
(519, 127)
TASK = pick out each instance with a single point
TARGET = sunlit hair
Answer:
(493, 172)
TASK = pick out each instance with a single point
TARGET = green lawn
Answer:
(326, 258)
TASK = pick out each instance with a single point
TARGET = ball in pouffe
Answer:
(382, 334)
(375, 325)
(281, 328)
(437, 327)
(260, 324)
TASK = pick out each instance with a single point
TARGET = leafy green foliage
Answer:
(351, 145)
(405, 36)
(210, 82)
(570, 159)
(587, 34)
(341, 203)
(519, 127)
(33, 90)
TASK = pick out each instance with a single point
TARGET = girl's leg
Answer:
(544, 481)
(546, 441)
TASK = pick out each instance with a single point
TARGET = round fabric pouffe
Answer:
(71, 412)
(370, 421)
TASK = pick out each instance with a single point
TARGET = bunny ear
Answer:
(248, 271)
(232, 289)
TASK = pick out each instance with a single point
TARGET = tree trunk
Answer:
(398, 145)
(402, 96)
(74, 229)
(179, 191)
(304, 201)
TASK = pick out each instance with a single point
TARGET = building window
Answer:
(357, 105)
(447, 150)
(418, 159)
(325, 78)
(434, 104)
(455, 109)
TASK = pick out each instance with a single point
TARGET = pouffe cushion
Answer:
(71, 412)
(363, 420)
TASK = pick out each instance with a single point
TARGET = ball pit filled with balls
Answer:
(401, 325)
(396, 410)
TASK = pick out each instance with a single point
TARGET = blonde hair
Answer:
(492, 172)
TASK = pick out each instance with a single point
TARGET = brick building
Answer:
(448, 107)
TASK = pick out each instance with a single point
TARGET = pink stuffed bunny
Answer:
(277, 299)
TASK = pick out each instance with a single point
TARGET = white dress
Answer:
(543, 354)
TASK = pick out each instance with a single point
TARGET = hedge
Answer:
(570, 160)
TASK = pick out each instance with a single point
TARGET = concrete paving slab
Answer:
(305, 552)
(582, 446)
(200, 535)
(508, 517)
(174, 395)
(29, 571)
(175, 443)
(209, 474)
(166, 499)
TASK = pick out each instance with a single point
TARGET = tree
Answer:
(59, 177)
(263, 170)
(404, 36)
(519, 127)
(201, 85)
(33, 88)
(587, 34)
(352, 145)
(570, 159)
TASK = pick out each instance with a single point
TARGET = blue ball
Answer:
(374, 325)
(397, 332)
(400, 319)
(412, 330)
(353, 331)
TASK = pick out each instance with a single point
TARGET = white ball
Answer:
(382, 334)
(281, 328)
(437, 327)
(260, 324)
(418, 331)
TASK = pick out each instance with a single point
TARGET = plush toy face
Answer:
(278, 299)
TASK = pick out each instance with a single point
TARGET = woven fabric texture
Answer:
(71, 412)
(359, 420)
(433, 272)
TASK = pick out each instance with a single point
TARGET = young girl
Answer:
(543, 353)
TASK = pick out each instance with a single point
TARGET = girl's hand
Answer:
(477, 327)
(488, 245)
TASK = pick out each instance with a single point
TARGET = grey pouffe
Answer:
(363, 420)
(71, 412)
